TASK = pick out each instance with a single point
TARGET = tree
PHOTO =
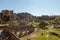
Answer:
(43, 25)
(57, 19)
(6, 17)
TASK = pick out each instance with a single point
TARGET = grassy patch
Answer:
(35, 24)
(43, 37)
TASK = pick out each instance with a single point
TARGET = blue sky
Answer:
(35, 7)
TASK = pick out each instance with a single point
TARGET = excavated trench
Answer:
(7, 34)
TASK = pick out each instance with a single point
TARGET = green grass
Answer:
(34, 24)
(56, 31)
(43, 37)
(4, 24)
(40, 38)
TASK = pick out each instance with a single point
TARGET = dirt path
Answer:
(32, 35)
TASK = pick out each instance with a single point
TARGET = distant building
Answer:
(7, 12)
(4, 12)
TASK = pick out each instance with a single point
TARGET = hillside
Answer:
(26, 26)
